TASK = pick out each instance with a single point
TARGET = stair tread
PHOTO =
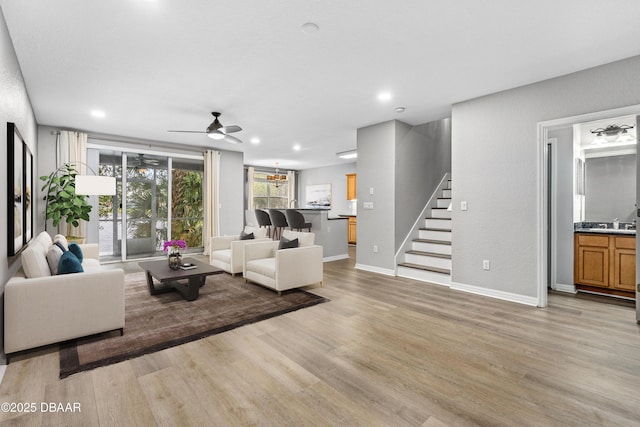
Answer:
(435, 229)
(437, 242)
(431, 254)
(442, 209)
(422, 267)
(440, 219)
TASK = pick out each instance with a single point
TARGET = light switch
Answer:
(367, 205)
(371, 191)
(463, 205)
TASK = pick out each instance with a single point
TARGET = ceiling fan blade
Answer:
(187, 131)
(232, 139)
(230, 129)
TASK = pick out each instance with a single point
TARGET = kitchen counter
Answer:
(347, 216)
(605, 231)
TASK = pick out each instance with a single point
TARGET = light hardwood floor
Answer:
(385, 351)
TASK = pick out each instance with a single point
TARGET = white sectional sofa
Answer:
(282, 269)
(41, 309)
(227, 252)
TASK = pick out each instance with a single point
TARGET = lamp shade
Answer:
(95, 185)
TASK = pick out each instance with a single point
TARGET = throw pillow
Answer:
(69, 263)
(288, 244)
(54, 253)
(61, 239)
(76, 250)
(246, 236)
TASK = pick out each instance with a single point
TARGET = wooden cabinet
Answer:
(351, 186)
(605, 261)
(351, 235)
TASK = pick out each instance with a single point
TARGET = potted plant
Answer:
(62, 202)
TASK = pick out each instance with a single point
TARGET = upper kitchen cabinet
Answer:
(351, 186)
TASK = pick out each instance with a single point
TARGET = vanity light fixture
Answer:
(351, 154)
(603, 134)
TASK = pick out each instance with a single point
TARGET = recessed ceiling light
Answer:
(309, 28)
(399, 110)
(384, 96)
(255, 140)
(297, 147)
(98, 114)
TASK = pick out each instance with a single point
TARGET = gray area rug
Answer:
(153, 323)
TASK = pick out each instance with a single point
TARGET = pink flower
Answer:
(175, 244)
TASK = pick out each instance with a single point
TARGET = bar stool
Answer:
(263, 220)
(296, 220)
(279, 222)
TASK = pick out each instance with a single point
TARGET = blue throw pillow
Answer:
(69, 263)
(76, 250)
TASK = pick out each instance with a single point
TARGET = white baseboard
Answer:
(507, 296)
(3, 369)
(335, 258)
(561, 287)
(371, 268)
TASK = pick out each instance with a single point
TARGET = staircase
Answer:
(429, 258)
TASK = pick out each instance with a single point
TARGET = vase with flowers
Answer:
(173, 248)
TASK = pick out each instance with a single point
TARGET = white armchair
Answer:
(227, 252)
(285, 268)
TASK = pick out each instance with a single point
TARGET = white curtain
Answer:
(291, 180)
(250, 172)
(72, 148)
(211, 174)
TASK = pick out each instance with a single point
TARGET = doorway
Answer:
(551, 169)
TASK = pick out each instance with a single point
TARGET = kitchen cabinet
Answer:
(351, 186)
(606, 262)
(351, 235)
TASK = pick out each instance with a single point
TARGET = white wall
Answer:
(495, 163)
(15, 107)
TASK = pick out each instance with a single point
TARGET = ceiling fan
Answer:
(216, 131)
(140, 163)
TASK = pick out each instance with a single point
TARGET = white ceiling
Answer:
(154, 65)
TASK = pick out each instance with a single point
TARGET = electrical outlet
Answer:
(375, 249)
(486, 265)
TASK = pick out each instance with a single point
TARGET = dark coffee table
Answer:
(187, 282)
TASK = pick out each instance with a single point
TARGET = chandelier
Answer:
(604, 135)
(277, 178)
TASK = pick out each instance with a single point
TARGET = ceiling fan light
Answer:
(216, 135)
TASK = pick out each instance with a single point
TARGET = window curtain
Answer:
(250, 172)
(72, 148)
(291, 182)
(211, 181)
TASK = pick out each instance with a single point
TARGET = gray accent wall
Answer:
(423, 156)
(496, 169)
(403, 164)
(334, 175)
(610, 188)
(15, 107)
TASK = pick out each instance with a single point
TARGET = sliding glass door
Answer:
(159, 198)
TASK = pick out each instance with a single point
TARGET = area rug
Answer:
(154, 323)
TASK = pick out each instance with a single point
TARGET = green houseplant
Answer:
(61, 199)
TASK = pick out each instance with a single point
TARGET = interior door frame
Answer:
(543, 193)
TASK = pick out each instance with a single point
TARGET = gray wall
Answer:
(334, 175)
(15, 107)
(610, 188)
(231, 198)
(403, 164)
(495, 168)
(376, 170)
(423, 156)
(563, 174)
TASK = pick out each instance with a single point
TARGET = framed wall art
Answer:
(19, 187)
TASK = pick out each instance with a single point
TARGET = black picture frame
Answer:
(29, 192)
(16, 188)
